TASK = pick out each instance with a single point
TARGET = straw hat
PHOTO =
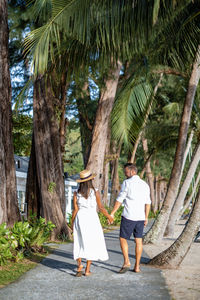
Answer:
(85, 175)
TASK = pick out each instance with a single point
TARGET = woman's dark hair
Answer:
(84, 188)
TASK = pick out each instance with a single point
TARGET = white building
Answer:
(21, 165)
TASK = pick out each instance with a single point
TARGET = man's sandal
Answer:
(123, 270)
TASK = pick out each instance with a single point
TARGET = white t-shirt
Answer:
(135, 193)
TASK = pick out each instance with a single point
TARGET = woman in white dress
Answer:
(89, 242)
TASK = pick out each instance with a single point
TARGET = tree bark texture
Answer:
(33, 195)
(106, 168)
(114, 174)
(157, 230)
(183, 191)
(189, 200)
(99, 135)
(173, 256)
(9, 211)
(149, 173)
(86, 124)
(156, 178)
(187, 150)
(49, 181)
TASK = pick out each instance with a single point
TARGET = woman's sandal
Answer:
(88, 273)
(79, 272)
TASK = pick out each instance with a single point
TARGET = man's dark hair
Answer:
(131, 167)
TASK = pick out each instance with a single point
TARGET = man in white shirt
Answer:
(135, 194)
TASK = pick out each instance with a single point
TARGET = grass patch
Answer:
(13, 270)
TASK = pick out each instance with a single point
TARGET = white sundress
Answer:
(89, 242)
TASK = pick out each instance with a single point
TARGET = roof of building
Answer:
(21, 163)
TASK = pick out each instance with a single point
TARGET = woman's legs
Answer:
(87, 269)
(79, 265)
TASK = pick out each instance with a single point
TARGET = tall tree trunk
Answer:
(135, 147)
(115, 176)
(99, 136)
(9, 211)
(157, 230)
(63, 120)
(86, 125)
(189, 143)
(149, 174)
(33, 195)
(156, 180)
(105, 181)
(183, 191)
(189, 200)
(173, 256)
(162, 189)
(49, 166)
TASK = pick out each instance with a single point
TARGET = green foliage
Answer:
(21, 231)
(7, 244)
(102, 218)
(117, 219)
(23, 238)
(70, 220)
(22, 134)
(153, 215)
(51, 187)
(73, 153)
(14, 269)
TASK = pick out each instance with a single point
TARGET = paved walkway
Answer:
(53, 278)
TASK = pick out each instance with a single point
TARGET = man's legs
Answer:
(138, 253)
(124, 247)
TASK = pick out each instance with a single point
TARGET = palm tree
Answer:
(172, 257)
(157, 231)
(183, 191)
(9, 211)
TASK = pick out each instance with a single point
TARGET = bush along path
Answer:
(54, 278)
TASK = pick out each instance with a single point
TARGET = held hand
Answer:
(145, 222)
(110, 219)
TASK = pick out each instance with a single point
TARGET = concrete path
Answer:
(53, 278)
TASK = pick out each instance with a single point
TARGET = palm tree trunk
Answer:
(86, 125)
(115, 176)
(49, 179)
(157, 230)
(105, 181)
(135, 147)
(156, 193)
(189, 200)
(149, 173)
(189, 143)
(173, 256)
(182, 194)
(9, 211)
(99, 136)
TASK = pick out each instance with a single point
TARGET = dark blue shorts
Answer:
(128, 227)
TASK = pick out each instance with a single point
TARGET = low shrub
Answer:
(23, 238)
(102, 218)
(117, 219)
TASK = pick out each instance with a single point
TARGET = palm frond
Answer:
(129, 110)
(111, 27)
(23, 95)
